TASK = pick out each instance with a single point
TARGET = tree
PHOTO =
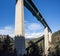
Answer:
(7, 43)
(34, 50)
(57, 50)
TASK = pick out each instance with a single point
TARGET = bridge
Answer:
(19, 26)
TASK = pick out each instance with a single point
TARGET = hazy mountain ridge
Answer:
(55, 38)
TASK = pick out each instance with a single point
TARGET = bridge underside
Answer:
(33, 9)
(20, 21)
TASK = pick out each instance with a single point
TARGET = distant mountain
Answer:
(55, 38)
(35, 40)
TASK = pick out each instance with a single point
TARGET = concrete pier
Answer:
(19, 28)
(19, 18)
(50, 36)
(46, 41)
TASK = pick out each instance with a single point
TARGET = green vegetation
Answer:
(54, 50)
(33, 46)
(7, 46)
(35, 50)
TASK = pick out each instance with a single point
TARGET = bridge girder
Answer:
(33, 9)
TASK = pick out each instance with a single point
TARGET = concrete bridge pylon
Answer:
(47, 40)
(46, 44)
(50, 37)
(19, 28)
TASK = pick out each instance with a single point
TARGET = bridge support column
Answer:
(50, 38)
(46, 36)
(19, 28)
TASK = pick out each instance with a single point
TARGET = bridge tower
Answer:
(47, 40)
(19, 28)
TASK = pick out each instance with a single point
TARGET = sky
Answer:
(50, 10)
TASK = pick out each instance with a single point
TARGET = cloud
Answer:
(7, 30)
(34, 27)
(32, 30)
(34, 35)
